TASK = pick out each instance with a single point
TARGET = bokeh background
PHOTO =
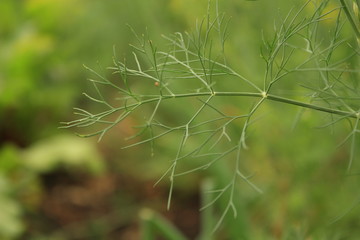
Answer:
(55, 185)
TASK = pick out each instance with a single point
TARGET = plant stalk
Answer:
(350, 18)
(268, 96)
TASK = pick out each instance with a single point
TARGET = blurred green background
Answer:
(54, 185)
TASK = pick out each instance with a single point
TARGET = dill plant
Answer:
(192, 71)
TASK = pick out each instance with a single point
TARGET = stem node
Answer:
(264, 94)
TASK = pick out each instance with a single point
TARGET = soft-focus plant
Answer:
(305, 66)
(21, 170)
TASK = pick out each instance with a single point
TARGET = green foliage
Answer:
(11, 225)
(51, 153)
(42, 45)
(298, 157)
(21, 170)
(306, 65)
(153, 223)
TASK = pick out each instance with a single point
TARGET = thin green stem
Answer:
(311, 106)
(270, 97)
(155, 98)
(350, 18)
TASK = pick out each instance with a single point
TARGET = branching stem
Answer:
(259, 95)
